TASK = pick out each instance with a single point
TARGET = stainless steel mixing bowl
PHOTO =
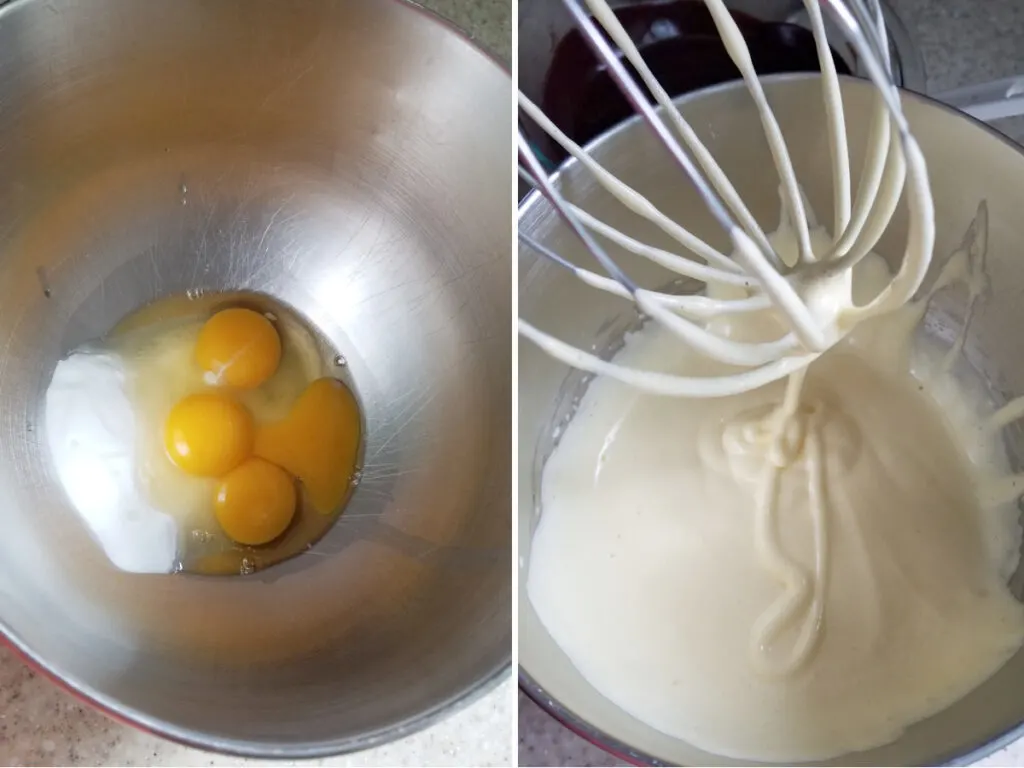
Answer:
(968, 163)
(349, 158)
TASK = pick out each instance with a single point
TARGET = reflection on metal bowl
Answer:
(348, 159)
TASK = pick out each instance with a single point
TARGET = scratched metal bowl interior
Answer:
(326, 157)
(968, 163)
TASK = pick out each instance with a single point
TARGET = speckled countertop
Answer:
(40, 724)
(489, 22)
(963, 42)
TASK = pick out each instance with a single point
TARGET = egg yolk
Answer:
(255, 502)
(238, 348)
(208, 434)
(317, 442)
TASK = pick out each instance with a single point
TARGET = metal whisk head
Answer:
(893, 162)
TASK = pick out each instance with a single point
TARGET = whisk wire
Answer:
(626, 195)
(754, 266)
(536, 170)
(639, 102)
(765, 265)
(704, 158)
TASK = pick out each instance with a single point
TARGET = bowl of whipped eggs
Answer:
(255, 371)
(875, 616)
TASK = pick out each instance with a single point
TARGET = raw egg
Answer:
(238, 347)
(255, 502)
(208, 434)
(317, 442)
(208, 378)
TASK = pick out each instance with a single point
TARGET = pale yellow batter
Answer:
(791, 573)
(770, 552)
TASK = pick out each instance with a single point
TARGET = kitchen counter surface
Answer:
(963, 42)
(40, 724)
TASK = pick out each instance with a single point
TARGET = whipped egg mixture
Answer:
(792, 573)
(775, 528)
(206, 435)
